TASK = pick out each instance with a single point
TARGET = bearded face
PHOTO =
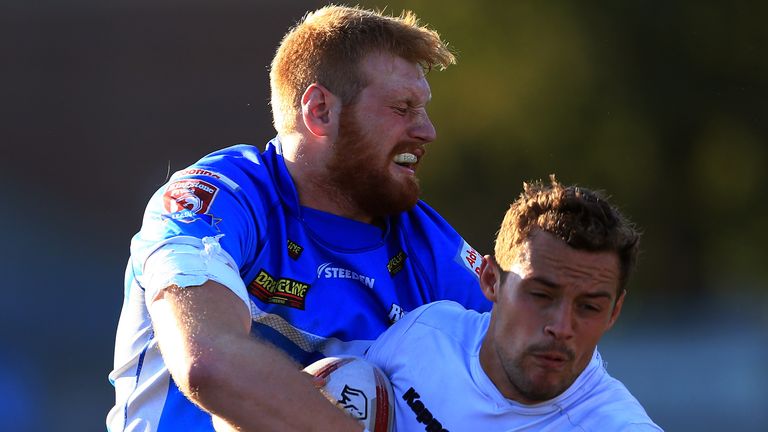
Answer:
(363, 168)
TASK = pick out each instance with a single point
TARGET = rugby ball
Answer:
(359, 388)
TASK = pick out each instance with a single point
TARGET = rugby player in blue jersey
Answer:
(252, 264)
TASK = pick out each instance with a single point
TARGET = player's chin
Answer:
(543, 390)
(410, 194)
(396, 197)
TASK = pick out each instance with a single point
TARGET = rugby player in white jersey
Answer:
(557, 282)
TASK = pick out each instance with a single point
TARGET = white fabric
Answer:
(432, 359)
(181, 261)
(188, 261)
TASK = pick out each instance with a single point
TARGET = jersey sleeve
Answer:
(451, 267)
(202, 224)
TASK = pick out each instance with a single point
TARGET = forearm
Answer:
(256, 387)
(206, 344)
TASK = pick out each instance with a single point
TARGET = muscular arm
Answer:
(204, 336)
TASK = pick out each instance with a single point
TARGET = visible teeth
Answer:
(406, 158)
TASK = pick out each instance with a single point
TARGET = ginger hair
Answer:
(327, 46)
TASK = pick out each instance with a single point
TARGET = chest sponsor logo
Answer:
(282, 291)
(330, 271)
(423, 415)
(396, 263)
(294, 250)
(470, 258)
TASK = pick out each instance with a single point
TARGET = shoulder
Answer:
(425, 218)
(426, 230)
(225, 192)
(452, 322)
(427, 329)
(440, 320)
(241, 170)
(241, 162)
(440, 314)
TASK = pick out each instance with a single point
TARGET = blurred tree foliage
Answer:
(661, 104)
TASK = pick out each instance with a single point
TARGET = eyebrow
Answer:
(411, 101)
(552, 285)
(544, 281)
(411, 96)
(599, 294)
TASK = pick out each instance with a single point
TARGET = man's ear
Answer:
(490, 278)
(320, 110)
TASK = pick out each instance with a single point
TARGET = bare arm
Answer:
(204, 336)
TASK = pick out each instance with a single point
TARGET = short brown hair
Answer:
(327, 45)
(582, 218)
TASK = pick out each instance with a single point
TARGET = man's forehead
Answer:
(390, 63)
(546, 256)
(395, 74)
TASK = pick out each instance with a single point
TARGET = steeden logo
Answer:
(330, 271)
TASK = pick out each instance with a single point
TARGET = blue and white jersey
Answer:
(432, 358)
(316, 284)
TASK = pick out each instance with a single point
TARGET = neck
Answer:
(306, 162)
(491, 365)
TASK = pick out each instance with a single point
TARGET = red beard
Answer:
(359, 171)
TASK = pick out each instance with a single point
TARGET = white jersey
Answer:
(432, 357)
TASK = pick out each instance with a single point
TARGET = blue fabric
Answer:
(179, 414)
(332, 279)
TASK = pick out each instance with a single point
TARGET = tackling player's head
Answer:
(327, 46)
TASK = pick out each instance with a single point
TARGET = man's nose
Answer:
(423, 129)
(561, 323)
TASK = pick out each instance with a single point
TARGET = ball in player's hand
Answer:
(359, 388)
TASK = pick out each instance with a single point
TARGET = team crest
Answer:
(191, 195)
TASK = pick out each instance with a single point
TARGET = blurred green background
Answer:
(662, 104)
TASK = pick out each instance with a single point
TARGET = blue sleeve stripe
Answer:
(139, 365)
